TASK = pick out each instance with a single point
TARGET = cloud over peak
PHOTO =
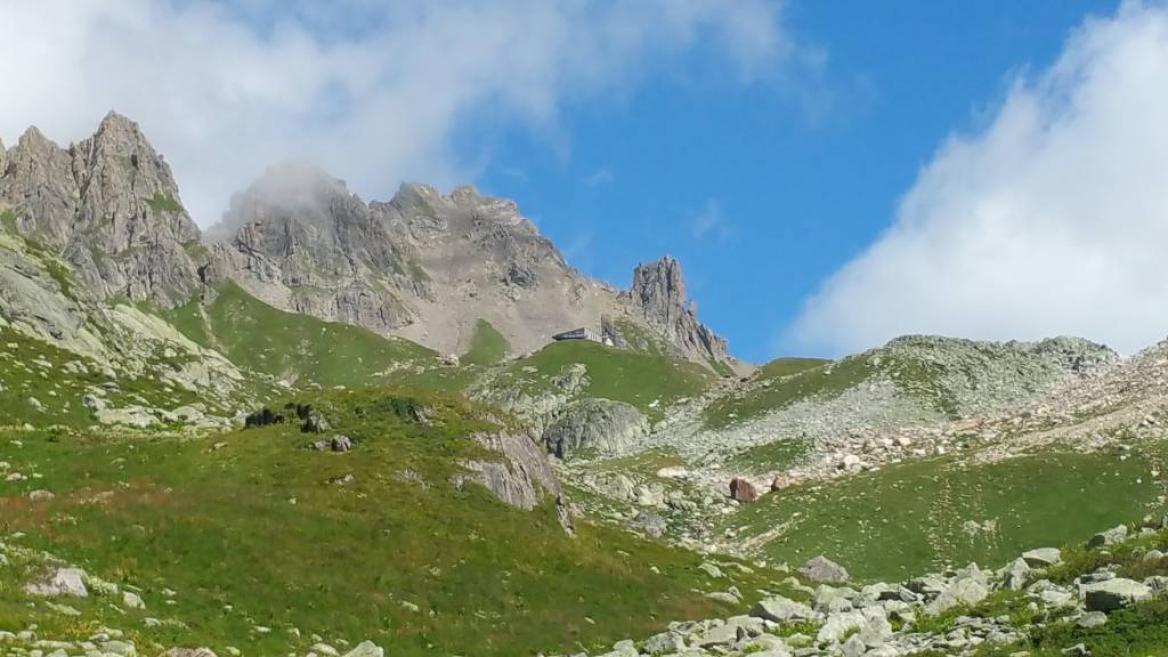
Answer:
(374, 93)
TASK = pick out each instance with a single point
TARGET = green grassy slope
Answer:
(784, 382)
(292, 346)
(912, 518)
(487, 347)
(250, 528)
(649, 382)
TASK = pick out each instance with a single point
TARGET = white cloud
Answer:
(710, 223)
(599, 178)
(1053, 219)
(374, 94)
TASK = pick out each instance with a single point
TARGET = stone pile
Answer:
(890, 620)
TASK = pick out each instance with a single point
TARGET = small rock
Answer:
(131, 600)
(366, 649)
(189, 652)
(1109, 537)
(742, 490)
(711, 570)
(1042, 557)
(1092, 619)
(822, 569)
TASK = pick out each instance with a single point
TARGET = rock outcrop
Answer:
(599, 425)
(521, 477)
(109, 207)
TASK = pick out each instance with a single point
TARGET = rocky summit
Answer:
(337, 427)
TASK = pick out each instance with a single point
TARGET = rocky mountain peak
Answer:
(300, 240)
(126, 184)
(108, 205)
(293, 191)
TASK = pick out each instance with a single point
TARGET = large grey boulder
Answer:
(721, 636)
(595, 424)
(822, 569)
(1014, 576)
(782, 610)
(839, 625)
(963, 591)
(1114, 594)
(665, 643)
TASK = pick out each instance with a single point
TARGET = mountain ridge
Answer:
(424, 265)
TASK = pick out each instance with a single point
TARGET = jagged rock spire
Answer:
(659, 292)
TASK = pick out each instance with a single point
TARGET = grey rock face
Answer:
(595, 424)
(110, 207)
(427, 266)
(301, 241)
(522, 477)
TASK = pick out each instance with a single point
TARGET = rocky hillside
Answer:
(204, 439)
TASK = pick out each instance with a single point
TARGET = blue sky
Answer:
(832, 174)
(797, 195)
